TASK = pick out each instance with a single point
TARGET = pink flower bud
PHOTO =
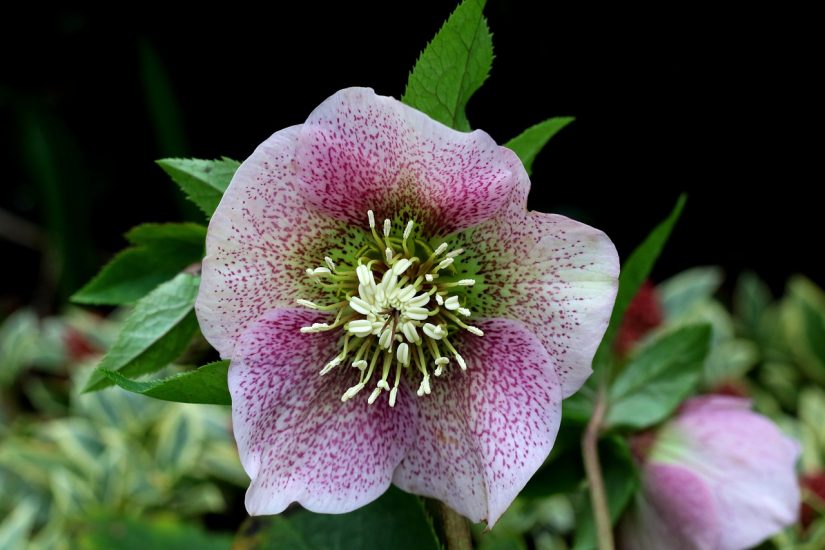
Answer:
(717, 476)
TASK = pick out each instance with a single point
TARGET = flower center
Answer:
(399, 303)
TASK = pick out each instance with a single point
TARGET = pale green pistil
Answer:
(398, 307)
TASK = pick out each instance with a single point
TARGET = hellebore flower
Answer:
(393, 314)
(718, 476)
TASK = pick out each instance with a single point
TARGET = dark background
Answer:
(724, 107)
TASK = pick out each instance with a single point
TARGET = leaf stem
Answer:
(456, 529)
(592, 467)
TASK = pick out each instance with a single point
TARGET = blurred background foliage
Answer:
(92, 470)
(71, 464)
(88, 100)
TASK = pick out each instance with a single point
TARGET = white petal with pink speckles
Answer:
(300, 201)
(483, 433)
(297, 440)
(556, 275)
(360, 151)
(261, 238)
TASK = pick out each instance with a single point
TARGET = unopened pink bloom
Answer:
(716, 477)
(394, 314)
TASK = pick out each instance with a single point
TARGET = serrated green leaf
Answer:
(452, 67)
(530, 142)
(397, 520)
(203, 181)
(155, 333)
(683, 291)
(621, 480)
(634, 272)
(162, 251)
(204, 385)
(127, 277)
(658, 378)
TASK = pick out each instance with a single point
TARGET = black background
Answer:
(722, 106)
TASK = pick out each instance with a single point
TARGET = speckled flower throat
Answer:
(398, 301)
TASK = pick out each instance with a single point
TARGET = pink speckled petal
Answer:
(359, 151)
(483, 433)
(261, 238)
(745, 460)
(556, 275)
(297, 440)
(673, 510)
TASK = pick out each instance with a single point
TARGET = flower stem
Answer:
(598, 496)
(456, 529)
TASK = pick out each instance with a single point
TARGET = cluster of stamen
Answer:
(399, 305)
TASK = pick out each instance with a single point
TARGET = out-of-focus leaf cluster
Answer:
(67, 458)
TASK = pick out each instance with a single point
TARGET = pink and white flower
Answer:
(394, 314)
(718, 476)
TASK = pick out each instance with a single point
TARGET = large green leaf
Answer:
(397, 520)
(658, 378)
(203, 181)
(452, 67)
(621, 479)
(204, 385)
(530, 142)
(161, 251)
(155, 333)
(634, 272)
